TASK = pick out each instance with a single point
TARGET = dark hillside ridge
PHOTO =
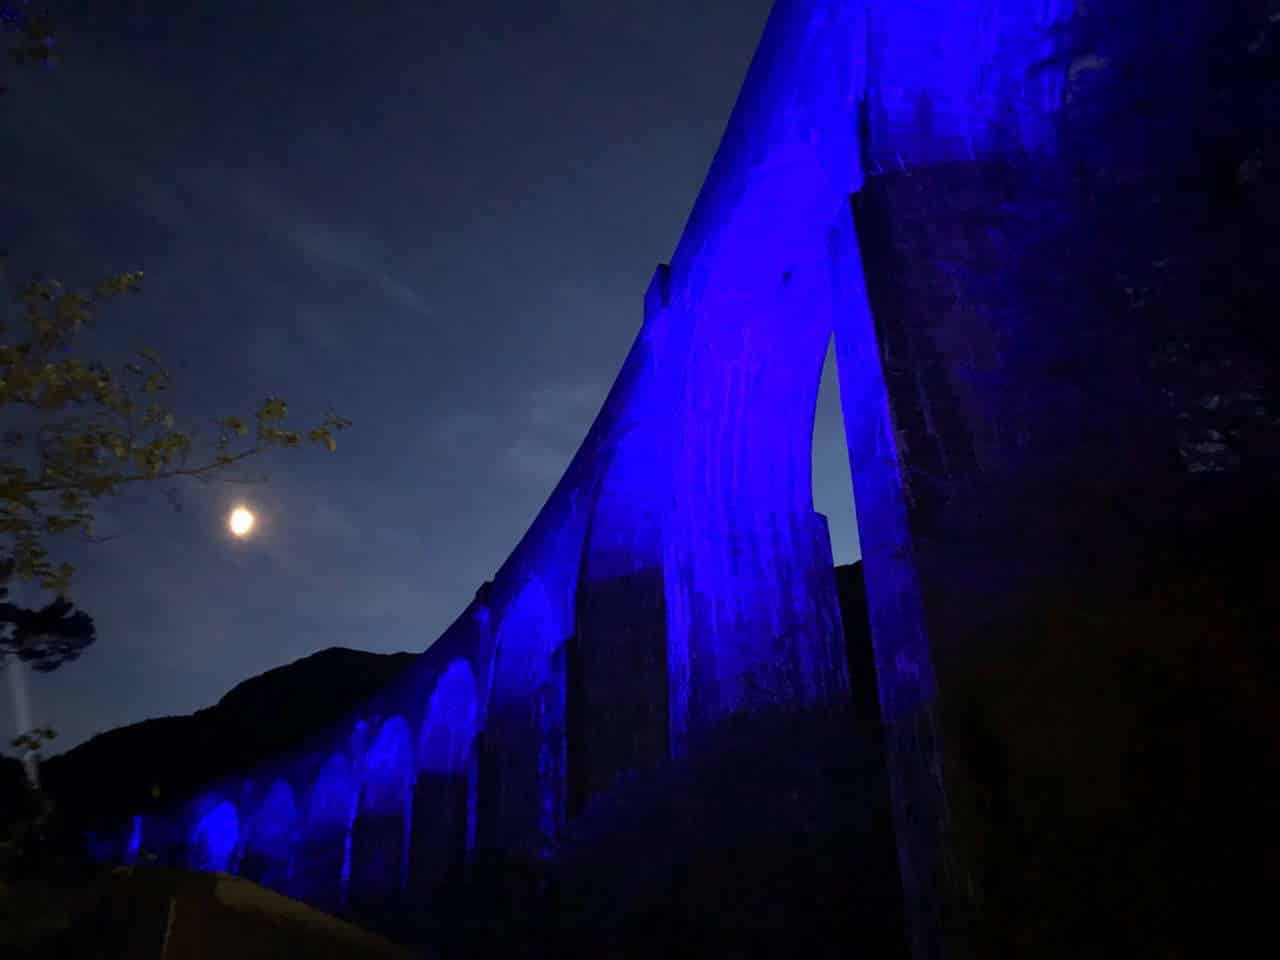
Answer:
(131, 769)
(134, 768)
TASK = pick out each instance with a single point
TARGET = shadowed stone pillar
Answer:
(320, 868)
(377, 863)
(437, 848)
(1061, 311)
(617, 683)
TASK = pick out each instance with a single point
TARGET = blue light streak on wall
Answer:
(741, 535)
(215, 838)
(443, 803)
(332, 795)
(380, 838)
(134, 842)
(388, 768)
(534, 626)
(330, 811)
(271, 837)
(450, 724)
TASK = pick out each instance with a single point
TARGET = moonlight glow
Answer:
(241, 521)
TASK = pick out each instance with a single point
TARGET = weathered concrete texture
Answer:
(618, 719)
(1039, 234)
(1056, 327)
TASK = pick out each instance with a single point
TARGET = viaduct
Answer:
(1036, 231)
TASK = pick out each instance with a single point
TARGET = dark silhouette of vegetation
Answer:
(46, 638)
(29, 40)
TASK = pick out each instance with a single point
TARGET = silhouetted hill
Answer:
(134, 768)
(122, 771)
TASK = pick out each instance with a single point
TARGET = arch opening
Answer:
(525, 724)
(380, 832)
(270, 839)
(752, 614)
(215, 838)
(323, 872)
(616, 672)
(832, 479)
(442, 817)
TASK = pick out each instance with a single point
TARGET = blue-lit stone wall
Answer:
(980, 202)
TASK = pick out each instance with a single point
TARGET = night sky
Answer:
(438, 218)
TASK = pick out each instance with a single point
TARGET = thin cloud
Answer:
(565, 406)
(325, 245)
(461, 425)
(175, 195)
(554, 423)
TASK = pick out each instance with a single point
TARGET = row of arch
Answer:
(623, 626)
(392, 810)
(384, 815)
(572, 686)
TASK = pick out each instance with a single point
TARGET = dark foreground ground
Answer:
(153, 913)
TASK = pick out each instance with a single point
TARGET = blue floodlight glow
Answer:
(533, 627)
(450, 724)
(271, 836)
(380, 839)
(331, 808)
(215, 838)
(694, 483)
(332, 795)
(134, 843)
(389, 768)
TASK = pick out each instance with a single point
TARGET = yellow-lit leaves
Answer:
(117, 444)
(235, 425)
(52, 314)
(96, 433)
(323, 434)
(70, 312)
(273, 410)
(279, 438)
(31, 561)
(120, 283)
(324, 438)
(57, 581)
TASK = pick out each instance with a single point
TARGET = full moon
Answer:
(241, 521)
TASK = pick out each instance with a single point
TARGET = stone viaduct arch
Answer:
(443, 812)
(271, 838)
(954, 192)
(330, 809)
(381, 830)
(524, 720)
